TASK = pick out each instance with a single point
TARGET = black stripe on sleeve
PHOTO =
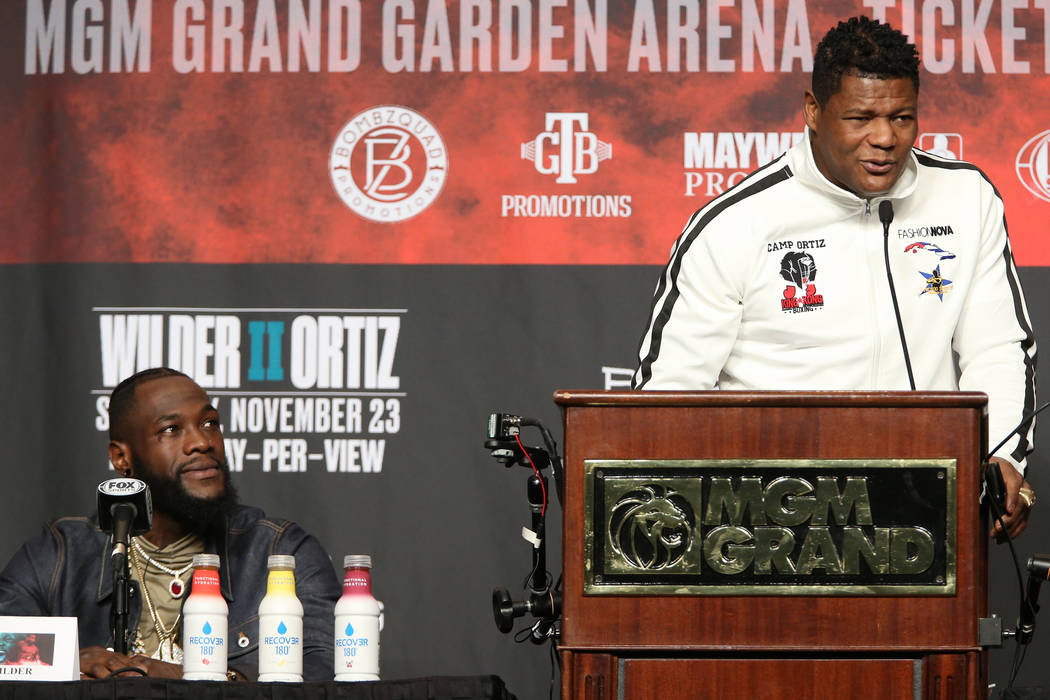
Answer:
(697, 223)
(1024, 446)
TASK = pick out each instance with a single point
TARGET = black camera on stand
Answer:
(543, 601)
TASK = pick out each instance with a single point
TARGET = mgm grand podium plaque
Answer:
(781, 545)
(769, 527)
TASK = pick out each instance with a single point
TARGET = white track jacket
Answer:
(781, 284)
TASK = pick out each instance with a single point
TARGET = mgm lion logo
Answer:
(652, 527)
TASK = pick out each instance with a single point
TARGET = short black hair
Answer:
(864, 47)
(122, 400)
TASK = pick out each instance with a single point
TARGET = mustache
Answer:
(170, 495)
(198, 463)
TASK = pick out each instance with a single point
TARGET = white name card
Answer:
(39, 649)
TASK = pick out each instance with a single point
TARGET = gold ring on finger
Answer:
(1027, 495)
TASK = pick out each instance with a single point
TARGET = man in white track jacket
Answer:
(781, 283)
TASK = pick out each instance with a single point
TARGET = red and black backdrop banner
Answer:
(363, 225)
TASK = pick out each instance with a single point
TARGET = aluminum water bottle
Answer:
(204, 624)
(280, 624)
(357, 623)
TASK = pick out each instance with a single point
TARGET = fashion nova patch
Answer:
(936, 283)
(927, 247)
(800, 270)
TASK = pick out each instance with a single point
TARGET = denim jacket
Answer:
(65, 572)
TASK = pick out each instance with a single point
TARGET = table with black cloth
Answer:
(431, 688)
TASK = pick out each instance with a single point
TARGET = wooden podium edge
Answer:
(876, 399)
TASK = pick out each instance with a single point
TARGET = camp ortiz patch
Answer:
(799, 269)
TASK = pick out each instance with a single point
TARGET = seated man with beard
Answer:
(164, 431)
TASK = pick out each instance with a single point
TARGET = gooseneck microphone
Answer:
(125, 509)
(886, 217)
(1038, 571)
(1025, 420)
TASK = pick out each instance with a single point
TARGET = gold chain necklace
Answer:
(167, 649)
(176, 587)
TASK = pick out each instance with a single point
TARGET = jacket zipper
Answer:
(874, 306)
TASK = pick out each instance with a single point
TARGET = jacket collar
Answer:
(213, 545)
(221, 545)
(805, 168)
(105, 579)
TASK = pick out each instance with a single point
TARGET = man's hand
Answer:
(1016, 517)
(97, 662)
(158, 669)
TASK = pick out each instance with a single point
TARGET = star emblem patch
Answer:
(935, 284)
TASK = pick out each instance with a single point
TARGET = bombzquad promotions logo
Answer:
(388, 163)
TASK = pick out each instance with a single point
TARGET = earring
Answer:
(127, 472)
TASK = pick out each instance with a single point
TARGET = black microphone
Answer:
(1025, 420)
(124, 509)
(886, 212)
(1038, 571)
(994, 485)
(886, 217)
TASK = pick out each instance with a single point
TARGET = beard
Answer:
(199, 515)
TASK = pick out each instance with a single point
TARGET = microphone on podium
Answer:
(886, 217)
(1038, 571)
(125, 509)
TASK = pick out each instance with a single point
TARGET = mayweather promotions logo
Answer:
(1033, 165)
(388, 163)
(652, 527)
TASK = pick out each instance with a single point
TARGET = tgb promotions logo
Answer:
(1033, 165)
(565, 150)
(388, 163)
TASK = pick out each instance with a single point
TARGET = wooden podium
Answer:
(646, 615)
